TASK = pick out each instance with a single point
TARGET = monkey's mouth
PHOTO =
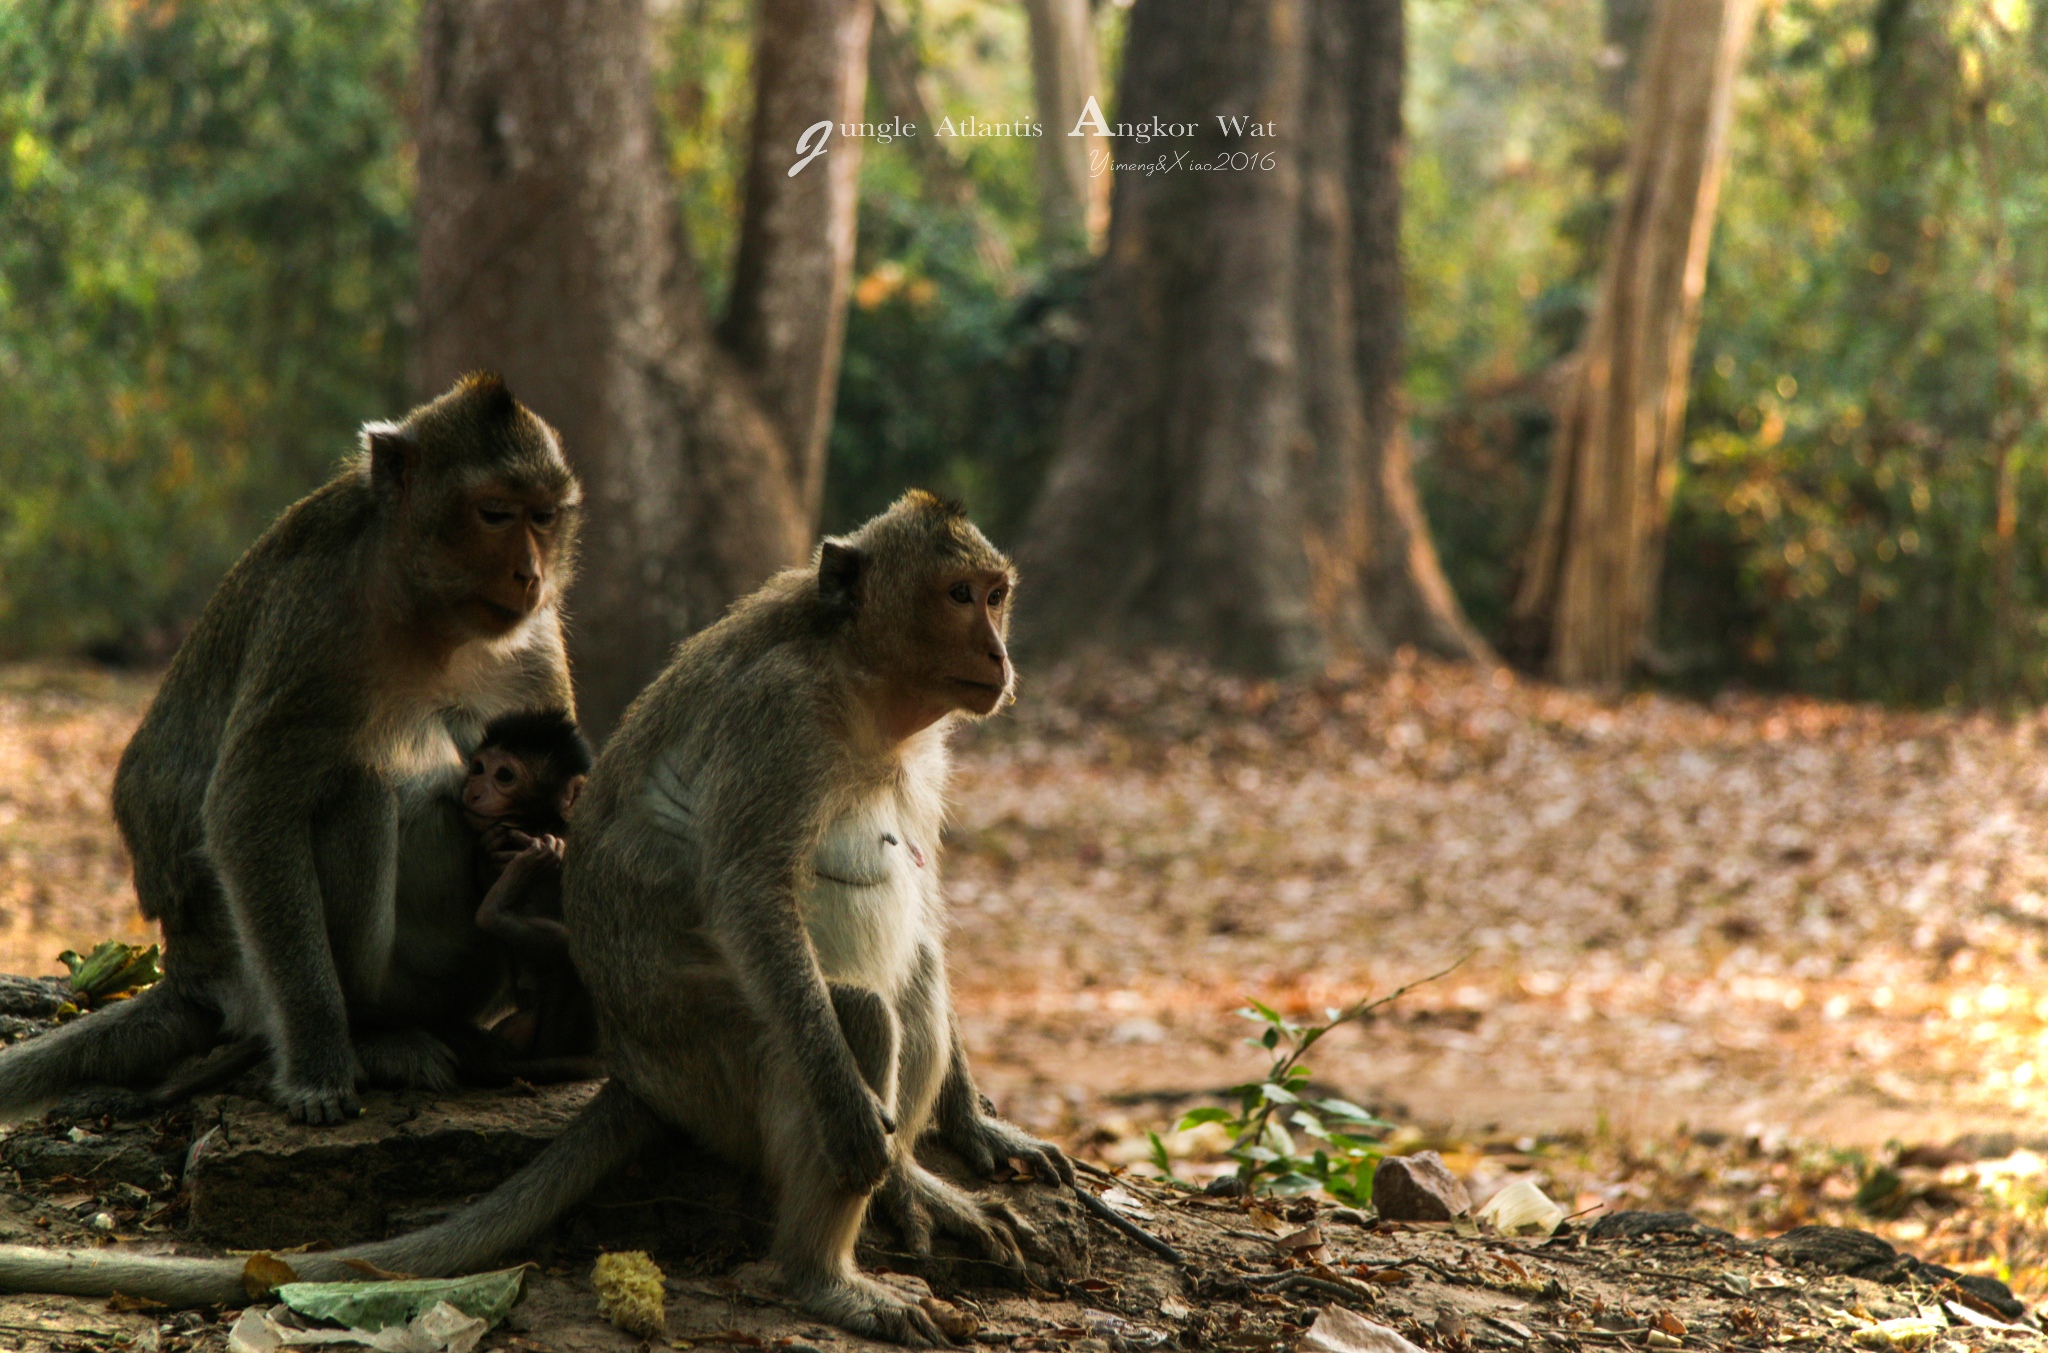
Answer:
(991, 687)
(503, 614)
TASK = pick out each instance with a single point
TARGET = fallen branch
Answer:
(1119, 1222)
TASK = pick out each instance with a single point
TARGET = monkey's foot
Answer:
(919, 1204)
(863, 1306)
(409, 1059)
(318, 1104)
(986, 1141)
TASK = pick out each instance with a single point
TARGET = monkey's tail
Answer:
(612, 1128)
(116, 1045)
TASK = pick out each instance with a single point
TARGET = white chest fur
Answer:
(872, 891)
(412, 734)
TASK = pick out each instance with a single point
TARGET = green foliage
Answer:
(1340, 1148)
(1871, 365)
(1337, 1147)
(205, 273)
(953, 378)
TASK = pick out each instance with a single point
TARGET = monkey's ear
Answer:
(393, 455)
(570, 792)
(839, 575)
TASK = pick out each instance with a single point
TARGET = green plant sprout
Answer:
(1344, 1137)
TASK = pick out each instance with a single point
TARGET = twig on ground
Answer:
(1119, 1222)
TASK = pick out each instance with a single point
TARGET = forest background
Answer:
(208, 280)
(1731, 933)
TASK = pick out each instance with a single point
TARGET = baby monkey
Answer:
(522, 788)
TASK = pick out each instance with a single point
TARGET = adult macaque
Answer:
(321, 706)
(752, 890)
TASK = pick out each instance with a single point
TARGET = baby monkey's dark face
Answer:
(504, 787)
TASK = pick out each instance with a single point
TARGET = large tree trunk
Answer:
(551, 251)
(786, 318)
(1073, 205)
(1588, 594)
(1232, 478)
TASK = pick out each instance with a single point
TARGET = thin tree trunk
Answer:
(897, 72)
(786, 317)
(1411, 600)
(1226, 484)
(550, 250)
(1588, 594)
(1073, 205)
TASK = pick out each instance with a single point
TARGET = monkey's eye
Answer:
(495, 514)
(504, 775)
(962, 593)
(995, 597)
(542, 517)
(476, 767)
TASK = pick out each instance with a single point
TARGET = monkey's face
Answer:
(500, 785)
(967, 617)
(512, 543)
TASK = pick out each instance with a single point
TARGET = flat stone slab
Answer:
(256, 1180)
(253, 1179)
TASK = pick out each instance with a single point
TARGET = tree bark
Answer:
(1232, 478)
(551, 251)
(1073, 205)
(786, 318)
(1588, 594)
(897, 72)
(1411, 600)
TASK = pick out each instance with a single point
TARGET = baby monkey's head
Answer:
(526, 773)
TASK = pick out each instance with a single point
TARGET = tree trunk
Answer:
(1073, 205)
(786, 318)
(551, 251)
(1589, 591)
(898, 75)
(1411, 600)
(1232, 479)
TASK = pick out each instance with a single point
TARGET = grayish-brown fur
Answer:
(751, 890)
(311, 724)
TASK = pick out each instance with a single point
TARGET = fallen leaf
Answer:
(263, 1273)
(1338, 1330)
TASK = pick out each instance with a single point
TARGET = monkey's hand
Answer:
(539, 853)
(986, 1141)
(505, 843)
(319, 1089)
(856, 1130)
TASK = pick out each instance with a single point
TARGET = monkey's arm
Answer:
(305, 845)
(529, 929)
(967, 1123)
(760, 826)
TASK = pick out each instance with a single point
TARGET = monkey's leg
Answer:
(121, 1044)
(816, 1224)
(968, 1123)
(310, 898)
(817, 1220)
(408, 1059)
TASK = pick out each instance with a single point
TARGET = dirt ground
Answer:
(1778, 941)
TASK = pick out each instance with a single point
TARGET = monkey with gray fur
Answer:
(752, 893)
(278, 799)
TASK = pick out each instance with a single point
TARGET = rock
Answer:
(1839, 1249)
(256, 1180)
(1418, 1188)
(128, 1153)
(33, 998)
